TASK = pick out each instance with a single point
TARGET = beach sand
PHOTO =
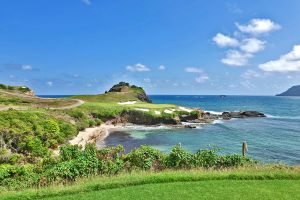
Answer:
(92, 135)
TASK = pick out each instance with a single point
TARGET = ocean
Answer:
(275, 139)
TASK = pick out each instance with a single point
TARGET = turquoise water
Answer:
(272, 139)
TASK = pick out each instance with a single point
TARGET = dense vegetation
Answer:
(27, 135)
(74, 163)
(22, 89)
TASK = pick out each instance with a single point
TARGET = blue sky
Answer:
(168, 47)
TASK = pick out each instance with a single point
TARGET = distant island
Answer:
(293, 91)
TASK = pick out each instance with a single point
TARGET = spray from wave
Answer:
(282, 117)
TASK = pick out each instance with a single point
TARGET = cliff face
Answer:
(124, 87)
(293, 91)
(141, 118)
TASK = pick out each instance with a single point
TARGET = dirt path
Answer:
(79, 103)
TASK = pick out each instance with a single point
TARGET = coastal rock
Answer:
(142, 118)
(208, 115)
(187, 118)
(126, 88)
(143, 97)
(241, 114)
(190, 126)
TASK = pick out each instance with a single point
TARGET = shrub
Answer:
(233, 161)
(206, 158)
(195, 113)
(111, 160)
(143, 157)
(179, 158)
(32, 133)
(73, 163)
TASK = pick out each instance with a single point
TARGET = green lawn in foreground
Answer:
(257, 182)
(217, 189)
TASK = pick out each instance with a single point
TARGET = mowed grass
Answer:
(136, 105)
(257, 182)
(220, 189)
(108, 97)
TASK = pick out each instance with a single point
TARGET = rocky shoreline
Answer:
(99, 133)
(209, 117)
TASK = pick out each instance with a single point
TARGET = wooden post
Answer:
(244, 148)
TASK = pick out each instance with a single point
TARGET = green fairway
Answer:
(266, 182)
(220, 189)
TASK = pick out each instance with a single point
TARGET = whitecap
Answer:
(218, 121)
(282, 117)
(214, 112)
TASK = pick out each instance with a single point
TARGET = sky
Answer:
(191, 47)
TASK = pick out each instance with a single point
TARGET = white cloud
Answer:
(147, 80)
(202, 78)
(252, 45)
(233, 8)
(258, 26)
(26, 67)
(225, 41)
(161, 67)
(289, 62)
(242, 46)
(138, 68)
(232, 86)
(87, 2)
(49, 83)
(193, 70)
(251, 74)
(247, 84)
(236, 58)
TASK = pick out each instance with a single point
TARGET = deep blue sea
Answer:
(272, 139)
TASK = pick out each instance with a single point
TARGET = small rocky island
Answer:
(293, 91)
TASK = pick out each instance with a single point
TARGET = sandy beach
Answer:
(92, 135)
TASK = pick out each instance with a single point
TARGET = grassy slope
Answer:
(222, 189)
(108, 102)
(244, 183)
(109, 97)
(17, 100)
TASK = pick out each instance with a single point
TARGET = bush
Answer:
(206, 158)
(233, 161)
(74, 163)
(111, 160)
(32, 133)
(195, 113)
(144, 158)
(179, 158)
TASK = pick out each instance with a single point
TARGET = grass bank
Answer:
(259, 182)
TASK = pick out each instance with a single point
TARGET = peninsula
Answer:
(293, 91)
